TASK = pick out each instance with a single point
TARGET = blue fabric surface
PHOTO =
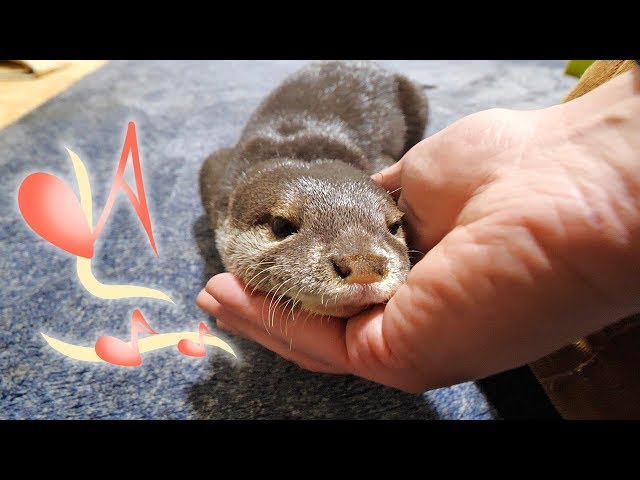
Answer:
(183, 111)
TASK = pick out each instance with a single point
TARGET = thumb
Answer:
(370, 356)
(389, 178)
(433, 332)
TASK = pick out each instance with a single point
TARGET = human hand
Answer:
(531, 221)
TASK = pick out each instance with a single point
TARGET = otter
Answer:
(294, 210)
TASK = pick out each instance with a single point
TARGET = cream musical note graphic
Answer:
(113, 350)
(146, 344)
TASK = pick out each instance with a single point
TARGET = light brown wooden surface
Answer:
(18, 97)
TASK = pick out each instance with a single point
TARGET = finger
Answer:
(322, 338)
(241, 327)
(432, 197)
(206, 302)
(389, 178)
(363, 339)
(227, 327)
(444, 175)
(247, 330)
(360, 345)
(376, 357)
(455, 316)
(210, 305)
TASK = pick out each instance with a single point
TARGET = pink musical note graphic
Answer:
(114, 350)
(191, 348)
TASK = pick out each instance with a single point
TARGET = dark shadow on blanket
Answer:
(262, 385)
(516, 395)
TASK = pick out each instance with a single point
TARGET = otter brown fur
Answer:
(293, 207)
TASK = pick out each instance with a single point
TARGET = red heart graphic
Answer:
(52, 210)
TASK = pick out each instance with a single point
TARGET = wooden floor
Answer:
(18, 97)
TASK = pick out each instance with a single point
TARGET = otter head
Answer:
(322, 235)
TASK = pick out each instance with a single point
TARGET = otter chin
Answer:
(350, 303)
(295, 213)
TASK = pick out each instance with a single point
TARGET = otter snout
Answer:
(363, 269)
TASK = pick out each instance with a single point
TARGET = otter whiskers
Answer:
(272, 310)
(284, 306)
(253, 269)
(277, 287)
(394, 191)
(276, 269)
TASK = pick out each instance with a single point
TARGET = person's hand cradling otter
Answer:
(531, 224)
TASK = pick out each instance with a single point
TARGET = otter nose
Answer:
(360, 268)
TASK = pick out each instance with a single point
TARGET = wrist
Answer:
(607, 122)
(603, 129)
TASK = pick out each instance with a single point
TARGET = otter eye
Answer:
(394, 227)
(281, 227)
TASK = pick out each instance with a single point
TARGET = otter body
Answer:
(292, 205)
